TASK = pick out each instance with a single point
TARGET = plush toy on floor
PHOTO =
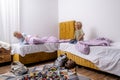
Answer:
(61, 60)
(18, 68)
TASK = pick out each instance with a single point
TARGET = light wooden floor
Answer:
(94, 75)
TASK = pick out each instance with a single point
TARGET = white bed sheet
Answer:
(27, 49)
(107, 58)
(4, 45)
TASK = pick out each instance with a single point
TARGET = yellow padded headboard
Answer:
(66, 29)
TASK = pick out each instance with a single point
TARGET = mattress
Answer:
(27, 49)
(106, 58)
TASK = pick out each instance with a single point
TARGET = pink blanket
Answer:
(37, 40)
(84, 46)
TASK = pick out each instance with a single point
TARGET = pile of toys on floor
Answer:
(50, 72)
(62, 69)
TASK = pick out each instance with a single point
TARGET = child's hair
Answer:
(15, 33)
(78, 23)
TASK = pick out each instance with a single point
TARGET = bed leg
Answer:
(16, 57)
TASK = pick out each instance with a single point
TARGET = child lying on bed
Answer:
(33, 39)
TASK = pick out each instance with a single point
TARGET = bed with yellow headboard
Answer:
(67, 32)
(104, 58)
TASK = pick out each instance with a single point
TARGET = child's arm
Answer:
(81, 35)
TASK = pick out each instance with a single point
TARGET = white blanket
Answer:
(106, 58)
(27, 49)
(4, 45)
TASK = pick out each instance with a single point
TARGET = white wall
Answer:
(0, 27)
(100, 18)
(39, 17)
